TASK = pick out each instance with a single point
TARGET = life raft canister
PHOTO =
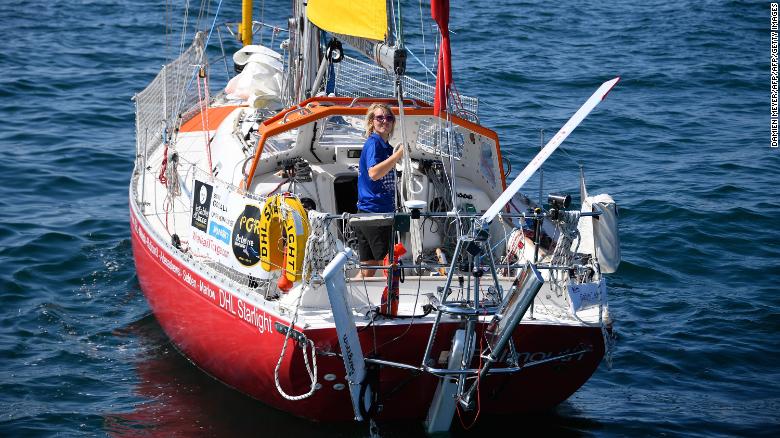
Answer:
(283, 217)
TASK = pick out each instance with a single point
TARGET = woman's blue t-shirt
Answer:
(375, 196)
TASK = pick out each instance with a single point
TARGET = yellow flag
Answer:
(360, 18)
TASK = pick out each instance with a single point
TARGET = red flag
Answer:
(440, 12)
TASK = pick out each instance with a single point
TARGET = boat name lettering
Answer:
(254, 316)
(148, 242)
(348, 355)
(206, 290)
(525, 357)
(226, 301)
(169, 264)
(189, 279)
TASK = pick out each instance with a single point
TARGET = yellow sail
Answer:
(360, 18)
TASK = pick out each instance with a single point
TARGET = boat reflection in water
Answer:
(178, 399)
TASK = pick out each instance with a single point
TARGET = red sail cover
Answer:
(440, 12)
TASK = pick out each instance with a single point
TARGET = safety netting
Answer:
(169, 97)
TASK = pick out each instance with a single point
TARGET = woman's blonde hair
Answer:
(370, 117)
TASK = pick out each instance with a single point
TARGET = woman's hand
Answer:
(381, 169)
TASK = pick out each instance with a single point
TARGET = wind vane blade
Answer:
(548, 149)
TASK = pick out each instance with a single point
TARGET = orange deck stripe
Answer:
(215, 117)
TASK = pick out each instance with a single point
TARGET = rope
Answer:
(416, 237)
(204, 117)
(317, 244)
(320, 246)
(562, 254)
(311, 371)
(320, 249)
(164, 166)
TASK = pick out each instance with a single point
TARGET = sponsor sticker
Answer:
(246, 236)
(201, 205)
(220, 232)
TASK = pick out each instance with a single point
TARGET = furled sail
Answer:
(362, 25)
(440, 12)
(365, 19)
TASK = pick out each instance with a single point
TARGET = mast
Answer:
(311, 56)
(245, 27)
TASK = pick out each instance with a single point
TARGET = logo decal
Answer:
(221, 232)
(201, 206)
(246, 237)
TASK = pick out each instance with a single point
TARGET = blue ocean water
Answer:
(682, 144)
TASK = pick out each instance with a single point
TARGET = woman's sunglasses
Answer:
(382, 119)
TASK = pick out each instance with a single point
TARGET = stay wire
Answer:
(411, 320)
(425, 53)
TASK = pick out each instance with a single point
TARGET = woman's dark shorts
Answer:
(373, 241)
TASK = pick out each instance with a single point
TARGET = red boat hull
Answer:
(238, 344)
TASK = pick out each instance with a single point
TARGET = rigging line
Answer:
(224, 56)
(400, 29)
(262, 20)
(450, 177)
(411, 320)
(427, 70)
(178, 90)
(200, 61)
(425, 53)
(184, 25)
(213, 23)
(201, 10)
(392, 18)
(167, 31)
(208, 9)
(566, 154)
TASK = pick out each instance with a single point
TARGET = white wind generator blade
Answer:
(548, 149)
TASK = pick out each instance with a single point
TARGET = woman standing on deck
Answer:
(376, 185)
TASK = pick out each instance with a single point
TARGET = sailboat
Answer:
(243, 214)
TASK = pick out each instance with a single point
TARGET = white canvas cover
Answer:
(599, 235)
(260, 82)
